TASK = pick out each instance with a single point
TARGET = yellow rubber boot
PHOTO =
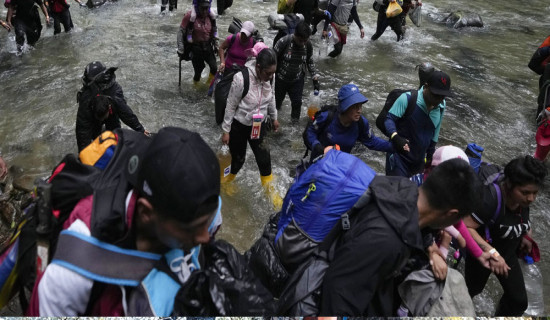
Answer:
(271, 192)
(228, 187)
(209, 79)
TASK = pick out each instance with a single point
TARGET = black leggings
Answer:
(173, 5)
(294, 90)
(383, 22)
(62, 18)
(30, 28)
(238, 137)
(203, 52)
(514, 300)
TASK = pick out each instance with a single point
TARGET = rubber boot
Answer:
(271, 192)
(227, 185)
(209, 79)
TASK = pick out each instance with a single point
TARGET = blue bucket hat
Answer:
(349, 95)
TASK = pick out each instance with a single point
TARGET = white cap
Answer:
(247, 28)
(446, 153)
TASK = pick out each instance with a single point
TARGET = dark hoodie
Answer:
(87, 126)
(359, 280)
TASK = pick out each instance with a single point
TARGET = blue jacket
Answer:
(421, 128)
(335, 133)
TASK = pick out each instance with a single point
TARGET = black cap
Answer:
(204, 3)
(178, 173)
(440, 83)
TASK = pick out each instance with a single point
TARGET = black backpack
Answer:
(71, 181)
(390, 100)
(222, 90)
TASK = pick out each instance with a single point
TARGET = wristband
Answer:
(494, 252)
(393, 135)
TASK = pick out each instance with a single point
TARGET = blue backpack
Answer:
(316, 202)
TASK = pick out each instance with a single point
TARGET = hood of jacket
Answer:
(396, 198)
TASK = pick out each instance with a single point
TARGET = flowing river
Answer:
(494, 103)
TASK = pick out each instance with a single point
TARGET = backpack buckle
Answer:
(345, 221)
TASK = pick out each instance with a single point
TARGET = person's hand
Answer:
(5, 25)
(438, 264)
(318, 149)
(525, 246)
(327, 14)
(276, 125)
(498, 265)
(48, 19)
(485, 259)
(400, 144)
(362, 33)
(3, 168)
(147, 133)
(221, 68)
(325, 34)
(225, 138)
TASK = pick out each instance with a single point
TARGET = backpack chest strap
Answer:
(101, 261)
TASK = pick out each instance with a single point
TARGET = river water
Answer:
(494, 103)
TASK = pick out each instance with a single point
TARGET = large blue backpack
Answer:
(316, 202)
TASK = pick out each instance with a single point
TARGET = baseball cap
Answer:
(204, 3)
(247, 28)
(440, 83)
(178, 173)
(349, 95)
(445, 153)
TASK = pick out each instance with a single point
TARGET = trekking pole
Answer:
(179, 82)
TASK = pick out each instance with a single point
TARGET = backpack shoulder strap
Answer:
(94, 259)
(411, 103)
(494, 218)
(246, 81)
(330, 116)
(231, 41)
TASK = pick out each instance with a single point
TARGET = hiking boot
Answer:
(271, 192)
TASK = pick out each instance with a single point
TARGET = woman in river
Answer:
(506, 202)
(245, 119)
